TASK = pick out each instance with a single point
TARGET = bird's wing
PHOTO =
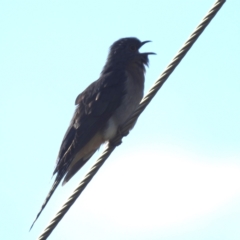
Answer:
(95, 106)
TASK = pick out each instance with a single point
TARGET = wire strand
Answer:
(143, 104)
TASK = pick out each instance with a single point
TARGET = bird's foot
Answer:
(118, 140)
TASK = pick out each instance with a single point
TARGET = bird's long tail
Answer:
(58, 179)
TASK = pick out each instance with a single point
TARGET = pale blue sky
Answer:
(177, 175)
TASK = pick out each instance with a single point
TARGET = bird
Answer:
(102, 109)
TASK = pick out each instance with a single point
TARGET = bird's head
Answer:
(126, 50)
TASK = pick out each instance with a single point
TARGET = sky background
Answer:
(177, 174)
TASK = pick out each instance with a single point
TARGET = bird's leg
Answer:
(121, 132)
(118, 139)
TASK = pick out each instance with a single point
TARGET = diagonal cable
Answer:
(143, 104)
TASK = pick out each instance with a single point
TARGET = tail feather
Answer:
(52, 190)
(72, 170)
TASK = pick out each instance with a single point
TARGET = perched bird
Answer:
(102, 108)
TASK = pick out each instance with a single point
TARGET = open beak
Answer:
(147, 53)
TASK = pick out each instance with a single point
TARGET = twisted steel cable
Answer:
(143, 104)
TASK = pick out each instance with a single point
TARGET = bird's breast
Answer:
(134, 86)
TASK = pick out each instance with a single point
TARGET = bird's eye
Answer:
(133, 48)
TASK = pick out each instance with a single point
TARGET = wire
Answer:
(124, 131)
